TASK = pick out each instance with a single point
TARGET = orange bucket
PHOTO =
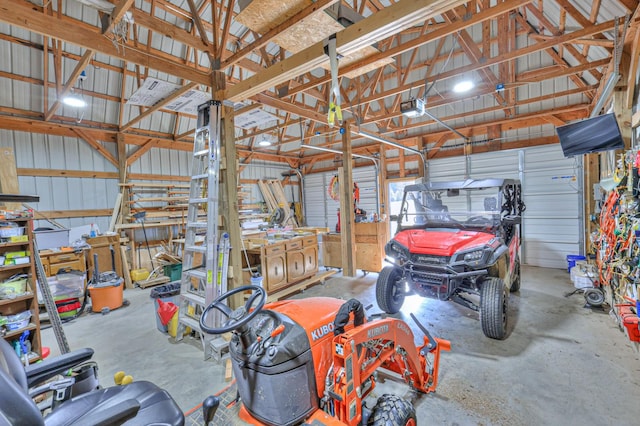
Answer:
(106, 296)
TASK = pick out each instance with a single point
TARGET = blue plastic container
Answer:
(572, 259)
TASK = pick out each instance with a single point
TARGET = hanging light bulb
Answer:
(73, 100)
(463, 86)
(264, 142)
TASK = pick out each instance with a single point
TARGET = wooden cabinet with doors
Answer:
(310, 253)
(274, 266)
(295, 259)
(284, 262)
(18, 297)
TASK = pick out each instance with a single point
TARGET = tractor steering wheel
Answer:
(238, 318)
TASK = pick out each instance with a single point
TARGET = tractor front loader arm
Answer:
(388, 344)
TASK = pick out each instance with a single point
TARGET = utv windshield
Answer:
(475, 208)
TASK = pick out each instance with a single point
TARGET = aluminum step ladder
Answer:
(199, 283)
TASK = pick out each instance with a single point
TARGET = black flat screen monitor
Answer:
(595, 134)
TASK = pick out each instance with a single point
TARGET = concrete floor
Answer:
(562, 363)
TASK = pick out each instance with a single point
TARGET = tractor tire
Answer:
(391, 410)
(494, 308)
(389, 295)
(515, 282)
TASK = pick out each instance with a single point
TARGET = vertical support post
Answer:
(382, 177)
(623, 115)
(229, 209)
(347, 220)
(125, 207)
(591, 177)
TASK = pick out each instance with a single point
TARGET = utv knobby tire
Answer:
(494, 307)
(391, 410)
(389, 294)
(515, 282)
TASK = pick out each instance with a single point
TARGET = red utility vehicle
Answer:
(457, 241)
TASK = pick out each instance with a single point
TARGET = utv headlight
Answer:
(473, 256)
(397, 251)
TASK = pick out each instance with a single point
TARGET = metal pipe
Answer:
(380, 139)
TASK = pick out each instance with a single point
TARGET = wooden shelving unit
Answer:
(28, 301)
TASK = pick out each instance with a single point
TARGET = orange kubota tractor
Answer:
(307, 362)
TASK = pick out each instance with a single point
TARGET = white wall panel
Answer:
(64, 153)
(553, 223)
(321, 210)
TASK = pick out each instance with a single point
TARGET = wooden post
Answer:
(623, 115)
(229, 207)
(347, 228)
(125, 208)
(591, 177)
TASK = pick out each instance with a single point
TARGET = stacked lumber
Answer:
(158, 200)
(275, 198)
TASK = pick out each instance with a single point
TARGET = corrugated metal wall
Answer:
(553, 223)
(70, 193)
(61, 193)
(321, 210)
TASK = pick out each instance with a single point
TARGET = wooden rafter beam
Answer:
(93, 129)
(266, 99)
(198, 23)
(383, 24)
(116, 15)
(163, 27)
(80, 66)
(226, 29)
(184, 89)
(419, 41)
(24, 15)
(141, 151)
(510, 121)
(96, 145)
(299, 17)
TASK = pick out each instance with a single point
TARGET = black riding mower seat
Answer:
(138, 403)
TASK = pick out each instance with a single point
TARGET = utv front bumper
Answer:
(438, 281)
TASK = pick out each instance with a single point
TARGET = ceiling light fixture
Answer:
(264, 142)
(463, 86)
(74, 100)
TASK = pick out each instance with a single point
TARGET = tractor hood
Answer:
(441, 242)
(314, 314)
